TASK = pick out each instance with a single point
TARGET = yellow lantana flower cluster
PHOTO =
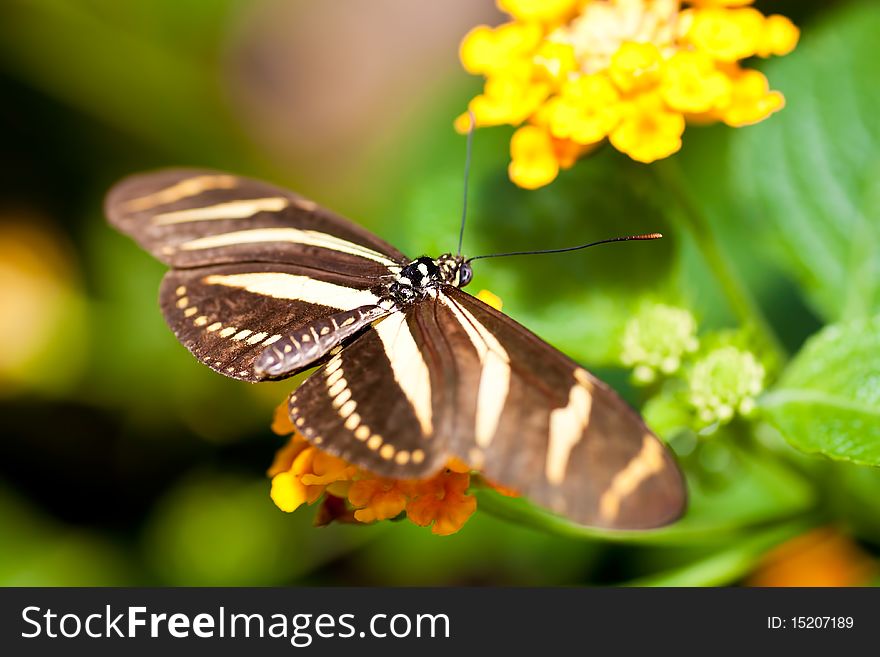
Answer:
(578, 72)
(303, 474)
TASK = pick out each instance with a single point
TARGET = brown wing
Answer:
(534, 420)
(374, 403)
(193, 218)
(255, 266)
(453, 377)
(227, 315)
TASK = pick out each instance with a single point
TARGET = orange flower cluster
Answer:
(578, 72)
(303, 474)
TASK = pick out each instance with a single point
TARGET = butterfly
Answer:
(411, 369)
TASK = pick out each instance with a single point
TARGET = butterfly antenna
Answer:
(648, 236)
(467, 175)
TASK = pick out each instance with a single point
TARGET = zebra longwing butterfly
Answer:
(411, 369)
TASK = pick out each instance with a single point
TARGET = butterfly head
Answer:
(454, 270)
(423, 274)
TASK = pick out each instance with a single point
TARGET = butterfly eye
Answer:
(465, 274)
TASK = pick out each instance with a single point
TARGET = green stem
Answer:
(740, 300)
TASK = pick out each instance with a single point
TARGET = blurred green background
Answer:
(125, 462)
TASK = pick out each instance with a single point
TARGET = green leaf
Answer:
(124, 66)
(750, 491)
(853, 493)
(219, 529)
(828, 400)
(481, 552)
(36, 550)
(808, 175)
(725, 566)
(668, 413)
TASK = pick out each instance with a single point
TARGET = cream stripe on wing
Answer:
(409, 367)
(647, 462)
(291, 235)
(299, 288)
(567, 427)
(183, 189)
(494, 377)
(242, 209)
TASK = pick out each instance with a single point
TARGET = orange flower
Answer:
(442, 502)
(821, 557)
(302, 474)
(377, 498)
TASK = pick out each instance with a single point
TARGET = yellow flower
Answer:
(300, 473)
(486, 50)
(721, 3)
(572, 73)
(308, 476)
(555, 61)
(648, 130)
(635, 66)
(726, 34)
(585, 110)
(546, 11)
(509, 97)
(533, 162)
(692, 83)
(779, 36)
(751, 100)
(490, 299)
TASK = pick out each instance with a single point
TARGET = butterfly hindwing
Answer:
(192, 217)
(377, 403)
(227, 315)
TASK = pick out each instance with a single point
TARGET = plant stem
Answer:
(740, 300)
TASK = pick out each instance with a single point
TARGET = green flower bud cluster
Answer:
(725, 382)
(702, 389)
(657, 339)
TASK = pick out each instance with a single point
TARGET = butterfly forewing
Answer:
(192, 218)
(255, 264)
(539, 423)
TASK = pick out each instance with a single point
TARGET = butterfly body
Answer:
(411, 370)
(416, 280)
